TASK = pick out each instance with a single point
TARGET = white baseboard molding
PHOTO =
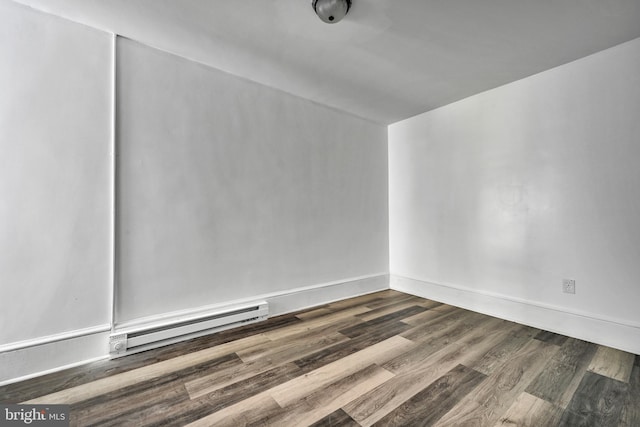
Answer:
(51, 356)
(19, 345)
(32, 358)
(312, 296)
(609, 332)
(282, 302)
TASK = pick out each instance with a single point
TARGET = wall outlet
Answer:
(569, 286)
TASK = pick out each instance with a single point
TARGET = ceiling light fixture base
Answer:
(331, 11)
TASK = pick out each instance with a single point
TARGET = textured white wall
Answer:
(54, 175)
(230, 189)
(510, 191)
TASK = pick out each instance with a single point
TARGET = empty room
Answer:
(320, 212)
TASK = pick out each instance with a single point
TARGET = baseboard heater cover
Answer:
(129, 340)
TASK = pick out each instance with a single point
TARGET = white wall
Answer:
(227, 190)
(496, 198)
(231, 190)
(54, 181)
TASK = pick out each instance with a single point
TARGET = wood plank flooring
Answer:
(383, 359)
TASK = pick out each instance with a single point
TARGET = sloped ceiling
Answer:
(387, 60)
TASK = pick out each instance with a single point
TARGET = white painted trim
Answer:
(20, 345)
(114, 184)
(319, 286)
(76, 348)
(306, 298)
(616, 333)
(51, 371)
(359, 282)
(528, 302)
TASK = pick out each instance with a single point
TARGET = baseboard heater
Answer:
(133, 339)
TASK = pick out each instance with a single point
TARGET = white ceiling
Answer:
(387, 60)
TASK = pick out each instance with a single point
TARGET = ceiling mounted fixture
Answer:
(331, 11)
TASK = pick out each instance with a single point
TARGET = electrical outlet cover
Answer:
(118, 343)
(569, 286)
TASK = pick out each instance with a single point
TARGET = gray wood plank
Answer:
(337, 351)
(500, 353)
(322, 403)
(414, 372)
(598, 401)
(163, 391)
(497, 393)
(393, 315)
(551, 338)
(335, 419)
(616, 364)
(630, 416)
(562, 375)
(530, 411)
(434, 401)
(181, 413)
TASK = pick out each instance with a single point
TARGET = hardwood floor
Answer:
(384, 359)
